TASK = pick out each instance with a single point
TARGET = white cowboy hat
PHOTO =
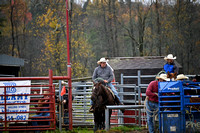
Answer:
(170, 56)
(102, 60)
(181, 76)
(162, 76)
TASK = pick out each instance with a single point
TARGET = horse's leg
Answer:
(103, 120)
(100, 120)
(95, 121)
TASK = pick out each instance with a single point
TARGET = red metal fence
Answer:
(41, 110)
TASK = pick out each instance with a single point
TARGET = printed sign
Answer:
(15, 99)
(173, 128)
(172, 115)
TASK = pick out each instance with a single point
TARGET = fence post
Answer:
(60, 100)
(51, 92)
(121, 88)
(122, 78)
(139, 96)
(107, 119)
(139, 89)
(5, 93)
(121, 120)
(85, 106)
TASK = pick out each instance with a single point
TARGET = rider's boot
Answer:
(119, 103)
(91, 109)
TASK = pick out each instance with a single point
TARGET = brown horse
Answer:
(101, 97)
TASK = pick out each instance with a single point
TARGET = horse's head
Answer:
(98, 88)
(98, 96)
(171, 76)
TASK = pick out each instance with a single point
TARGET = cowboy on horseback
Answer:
(104, 71)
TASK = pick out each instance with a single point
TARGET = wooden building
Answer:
(10, 66)
(129, 66)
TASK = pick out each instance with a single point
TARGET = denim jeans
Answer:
(151, 109)
(66, 120)
(113, 90)
(35, 123)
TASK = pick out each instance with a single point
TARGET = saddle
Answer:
(110, 91)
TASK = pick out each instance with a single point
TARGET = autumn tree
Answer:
(54, 54)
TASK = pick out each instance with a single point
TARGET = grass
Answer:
(119, 129)
(75, 130)
(125, 129)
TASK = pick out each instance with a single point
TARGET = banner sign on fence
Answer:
(15, 99)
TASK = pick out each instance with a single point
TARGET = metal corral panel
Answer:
(170, 123)
(179, 104)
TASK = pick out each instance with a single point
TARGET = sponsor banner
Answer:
(15, 99)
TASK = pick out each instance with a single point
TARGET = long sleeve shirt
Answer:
(151, 90)
(104, 73)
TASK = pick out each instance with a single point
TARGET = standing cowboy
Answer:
(105, 72)
(152, 101)
(170, 66)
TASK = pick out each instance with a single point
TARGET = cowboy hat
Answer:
(170, 56)
(181, 77)
(102, 60)
(162, 76)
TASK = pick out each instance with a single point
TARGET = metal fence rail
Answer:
(81, 104)
(121, 107)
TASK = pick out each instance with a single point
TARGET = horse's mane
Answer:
(97, 91)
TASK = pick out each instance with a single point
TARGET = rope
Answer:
(161, 72)
(145, 108)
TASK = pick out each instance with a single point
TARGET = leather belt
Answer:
(153, 101)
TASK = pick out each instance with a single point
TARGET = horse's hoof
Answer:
(95, 128)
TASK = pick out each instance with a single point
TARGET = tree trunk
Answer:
(106, 31)
(116, 45)
(12, 27)
(158, 29)
(131, 27)
(112, 51)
